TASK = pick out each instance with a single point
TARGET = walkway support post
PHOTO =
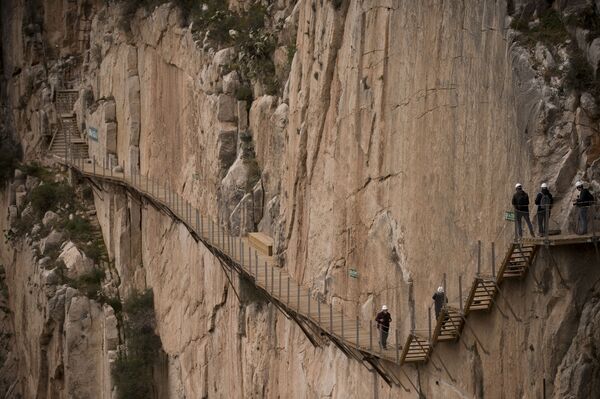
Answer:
(429, 311)
(288, 290)
(460, 297)
(370, 334)
(94, 160)
(397, 348)
(331, 318)
(493, 259)
(478, 257)
(342, 313)
(357, 335)
(319, 311)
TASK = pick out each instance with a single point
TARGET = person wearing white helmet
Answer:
(520, 202)
(439, 300)
(544, 202)
(383, 320)
(584, 201)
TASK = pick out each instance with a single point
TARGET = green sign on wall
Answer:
(509, 215)
(353, 273)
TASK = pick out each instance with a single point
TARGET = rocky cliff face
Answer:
(383, 136)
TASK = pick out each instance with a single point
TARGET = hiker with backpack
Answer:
(520, 202)
(544, 202)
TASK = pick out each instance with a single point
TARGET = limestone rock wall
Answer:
(391, 150)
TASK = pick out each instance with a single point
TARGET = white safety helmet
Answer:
(518, 185)
(440, 289)
(579, 183)
(544, 185)
(384, 307)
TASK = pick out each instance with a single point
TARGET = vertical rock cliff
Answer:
(381, 137)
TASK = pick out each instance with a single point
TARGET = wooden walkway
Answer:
(358, 339)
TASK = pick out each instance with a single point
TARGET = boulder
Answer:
(20, 197)
(44, 262)
(226, 108)
(227, 149)
(13, 214)
(76, 262)
(19, 174)
(588, 104)
(231, 82)
(36, 229)
(53, 240)
(50, 219)
(31, 182)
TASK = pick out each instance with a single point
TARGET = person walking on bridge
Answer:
(439, 300)
(383, 320)
(584, 201)
(520, 202)
(544, 201)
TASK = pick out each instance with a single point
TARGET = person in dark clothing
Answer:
(520, 202)
(544, 202)
(584, 201)
(439, 300)
(383, 320)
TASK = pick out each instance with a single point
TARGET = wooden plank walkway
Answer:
(355, 337)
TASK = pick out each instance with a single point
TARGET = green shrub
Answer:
(580, 75)
(133, 369)
(8, 160)
(550, 30)
(89, 283)
(50, 196)
(36, 170)
(78, 229)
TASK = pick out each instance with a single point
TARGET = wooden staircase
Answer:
(449, 325)
(416, 349)
(518, 259)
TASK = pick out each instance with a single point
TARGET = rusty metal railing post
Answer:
(342, 317)
(460, 296)
(357, 334)
(493, 259)
(266, 277)
(478, 257)
(429, 311)
(370, 334)
(250, 260)
(319, 310)
(397, 347)
(242, 255)
(331, 318)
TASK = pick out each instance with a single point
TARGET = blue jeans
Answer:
(518, 224)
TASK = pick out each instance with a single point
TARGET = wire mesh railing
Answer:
(284, 289)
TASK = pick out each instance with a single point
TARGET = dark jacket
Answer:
(383, 320)
(439, 298)
(543, 200)
(521, 201)
(585, 198)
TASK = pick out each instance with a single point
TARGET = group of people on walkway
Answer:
(544, 202)
(520, 201)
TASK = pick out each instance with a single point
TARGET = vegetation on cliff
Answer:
(133, 370)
